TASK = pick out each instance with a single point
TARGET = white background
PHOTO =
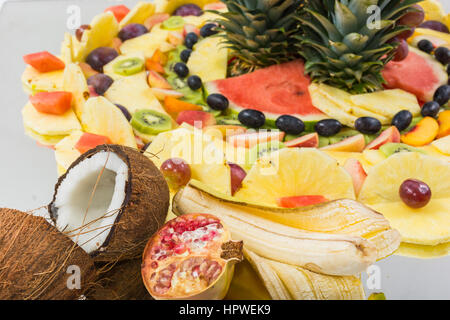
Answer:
(28, 172)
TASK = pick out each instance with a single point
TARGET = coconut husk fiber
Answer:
(35, 259)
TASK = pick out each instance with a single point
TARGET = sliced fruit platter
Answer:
(301, 142)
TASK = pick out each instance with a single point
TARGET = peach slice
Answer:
(198, 119)
(300, 201)
(308, 141)
(422, 133)
(357, 172)
(389, 135)
(352, 144)
(444, 124)
(155, 80)
(249, 140)
(174, 106)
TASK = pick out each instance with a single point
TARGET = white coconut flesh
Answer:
(89, 199)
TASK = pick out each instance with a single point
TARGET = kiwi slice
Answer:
(151, 122)
(226, 120)
(323, 141)
(391, 148)
(263, 149)
(129, 66)
(173, 23)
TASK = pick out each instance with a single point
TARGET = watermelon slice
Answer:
(276, 90)
(419, 74)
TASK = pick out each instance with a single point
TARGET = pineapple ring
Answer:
(295, 172)
(426, 226)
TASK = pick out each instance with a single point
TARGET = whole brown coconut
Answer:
(110, 201)
(39, 262)
(120, 281)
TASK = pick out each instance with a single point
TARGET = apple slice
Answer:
(237, 176)
(188, 28)
(155, 19)
(249, 140)
(198, 119)
(356, 171)
(225, 131)
(308, 141)
(155, 80)
(389, 135)
(175, 38)
(161, 94)
(300, 201)
(352, 144)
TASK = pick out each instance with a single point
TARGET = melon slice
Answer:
(419, 74)
(276, 90)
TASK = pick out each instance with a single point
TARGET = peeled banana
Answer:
(285, 281)
(333, 254)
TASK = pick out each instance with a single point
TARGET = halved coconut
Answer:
(39, 262)
(110, 201)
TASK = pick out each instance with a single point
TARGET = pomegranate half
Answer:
(190, 257)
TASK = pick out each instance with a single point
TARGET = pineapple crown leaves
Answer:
(259, 31)
(341, 49)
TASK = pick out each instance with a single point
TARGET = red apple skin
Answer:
(352, 144)
(357, 172)
(389, 135)
(155, 80)
(237, 176)
(308, 141)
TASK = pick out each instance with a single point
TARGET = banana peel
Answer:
(320, 252)
(287, 282)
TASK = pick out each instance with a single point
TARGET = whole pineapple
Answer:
(345, 45)
(259, 32)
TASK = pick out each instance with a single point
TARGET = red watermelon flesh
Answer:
(419, 74)
(275, 90)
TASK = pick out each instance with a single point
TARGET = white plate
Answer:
(28, 172)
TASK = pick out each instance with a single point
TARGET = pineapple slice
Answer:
(104, 118)
(147, 43)
(329, 107)
(34, 81)
(141, 12)
(343, 100)
(423, 252)
(48, 129)
(433, 10)
(442, 145)
(209, 60)
(66, 49)
(133, 93)
(295, 172)
(429, 225)
(104, 28)
(65, 151)
(387, 102)
(342, 157)
(74, 81)
(203, 153)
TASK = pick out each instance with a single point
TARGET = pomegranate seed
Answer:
(154, 265)
(180, 248)
(162, 257)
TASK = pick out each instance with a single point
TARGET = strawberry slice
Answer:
(57, 102)
(89, 141)
(300, 201)
(44, 61)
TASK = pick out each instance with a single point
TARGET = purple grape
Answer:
(406, 34)
(100, 57)
(189, 9)
(125, 111)
(435, 25)
(402, 51)
(132, 30)
(101, 82)
(415, 193)
(413, 18)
